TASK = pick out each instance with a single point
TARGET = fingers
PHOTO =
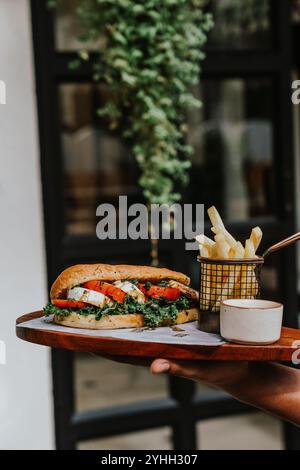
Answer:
(185, 369)
(159, 366)
(214, 373)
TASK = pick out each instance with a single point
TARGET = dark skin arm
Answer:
(269, 386)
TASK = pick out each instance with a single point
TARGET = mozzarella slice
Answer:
(131, 289)
(89, 296)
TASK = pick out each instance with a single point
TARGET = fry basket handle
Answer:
(282, 244)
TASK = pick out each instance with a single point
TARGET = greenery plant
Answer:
(149, 54)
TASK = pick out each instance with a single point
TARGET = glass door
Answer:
(243, 164)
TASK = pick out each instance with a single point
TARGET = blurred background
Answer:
(59, 162)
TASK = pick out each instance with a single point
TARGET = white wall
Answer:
(25, 386)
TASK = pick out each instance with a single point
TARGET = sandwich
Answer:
(103, 296)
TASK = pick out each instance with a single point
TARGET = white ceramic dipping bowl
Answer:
(248, 321)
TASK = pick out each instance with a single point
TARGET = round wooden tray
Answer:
(280, 351)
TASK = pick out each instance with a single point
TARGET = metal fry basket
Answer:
(222, 279)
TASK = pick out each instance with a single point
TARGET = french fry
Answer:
(223, 247)
(231, 252)
(255, 237)
(228, 237)
(222, 251)
(204, 240)
(239, 251)
(249, 284)
(228, 287)
(253, 288)
(243, 282)
(204, 251)
(249, 249)
(216, 292)
(233, 275)
(215, 217)
(208, 249)
(238, 254)
(207, 243)
(219, 227)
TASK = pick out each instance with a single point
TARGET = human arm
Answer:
(271, 387)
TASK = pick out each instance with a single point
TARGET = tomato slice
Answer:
(158, 292)
(114, 292)
(142, 288)
(93, 285)
(105, 288)
(65, 303)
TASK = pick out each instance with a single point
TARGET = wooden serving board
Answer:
(280, 351)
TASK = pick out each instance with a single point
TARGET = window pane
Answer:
(98, 167)
(126, 384)
(296, 11)
(67, 28)
(232, 163)
(240, 24)
(155, 439)
(233, 159)
(251, 431)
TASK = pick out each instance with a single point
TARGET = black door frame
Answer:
(184, 407)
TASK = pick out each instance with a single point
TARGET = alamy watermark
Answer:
(2, 353)
(2, 92)
(296, 92)
(159, 221)
(296, 354)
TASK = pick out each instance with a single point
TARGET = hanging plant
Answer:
(149, 55)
